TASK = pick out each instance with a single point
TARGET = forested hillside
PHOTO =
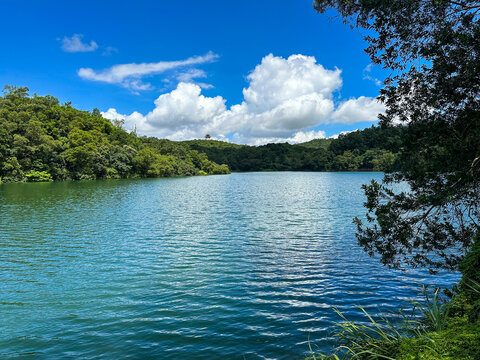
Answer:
(41, 140)
(374, 148)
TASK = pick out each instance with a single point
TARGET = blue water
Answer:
(244, 266)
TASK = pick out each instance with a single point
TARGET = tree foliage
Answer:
(373, 148)
(41, 140)
(432, 51)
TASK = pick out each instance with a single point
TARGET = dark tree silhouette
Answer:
(432, 51)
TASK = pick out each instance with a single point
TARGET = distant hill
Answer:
(373, 148)
(211, 144)
(316, 144)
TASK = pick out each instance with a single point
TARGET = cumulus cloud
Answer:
(276, 80)
(284, 100)
(75, 44)
(112, 114)
(184, 109)
(181, 113)
(285, 96)
(130, 75)
(358, 110)
(341, 133)
(299, 137)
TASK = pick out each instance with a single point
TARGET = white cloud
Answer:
(284, 100)
(190, 75)
(367, 75)
(302, 137)
(299, 137)
(112, 114)
(276, 80)
(358, 110)
(285, 96)
(341, 133)
(75, 44)
(130, 75)
(182, 113)
(184, 107)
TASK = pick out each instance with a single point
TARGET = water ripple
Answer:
(246, 266)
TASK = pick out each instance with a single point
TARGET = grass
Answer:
(433, 312)
(429, 332)
(459, 341)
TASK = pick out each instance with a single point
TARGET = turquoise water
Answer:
(244, 266)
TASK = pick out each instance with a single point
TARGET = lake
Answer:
(241, 266)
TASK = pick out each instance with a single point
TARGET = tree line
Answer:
(41, 140)
(371, 149)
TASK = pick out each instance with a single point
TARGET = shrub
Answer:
(220, 169)
(112, 174)
(470, 268)
(38, 176)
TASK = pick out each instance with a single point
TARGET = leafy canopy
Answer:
(41, 140)
(432, 51)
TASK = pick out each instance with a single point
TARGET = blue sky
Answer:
(193, 67)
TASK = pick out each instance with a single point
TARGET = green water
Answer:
(244, 266)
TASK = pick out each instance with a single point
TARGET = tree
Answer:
(12, 169)
(13, 92)
(432, 51)
(96, 112)
(41, 140)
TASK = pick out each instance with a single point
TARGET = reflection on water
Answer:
(239, 266)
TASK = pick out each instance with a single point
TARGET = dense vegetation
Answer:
(431, 50)
(41, 140)
(374, 148)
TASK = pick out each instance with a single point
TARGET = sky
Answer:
(249, 72)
